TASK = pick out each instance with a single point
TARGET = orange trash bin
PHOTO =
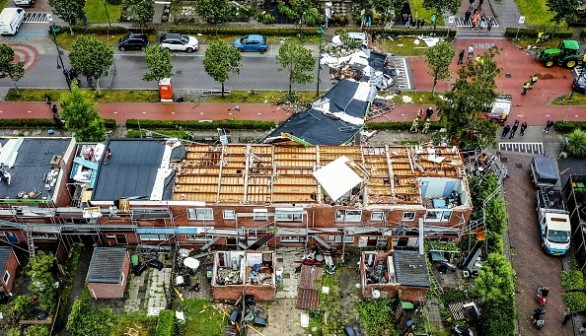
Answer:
(166, 90)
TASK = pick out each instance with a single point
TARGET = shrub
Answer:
(572, 280)
(36, 330)
(200, 125)
(40, 271)
(575, 302)
(87, 320)
(134, 134)
(533, 32)
(165, 323)
(576, 145)
(268, 19)
(569, 126)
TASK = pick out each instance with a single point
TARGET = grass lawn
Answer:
(108, 96)
(402, 46)
(577, 99)
(65, 40)
(96, 13)
(419, 12)
(144, 325)
(536, 13)
(270, 97)
(202, 318)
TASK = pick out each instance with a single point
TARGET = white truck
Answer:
(555, 228)
(10, 20)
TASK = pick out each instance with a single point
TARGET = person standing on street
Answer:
(429, 112)
(523, 128)
(461, 57)
(467, 16)
(506, 130)
(414, 126)
(533, 81)
(526, 86)
(426, 126)
(567, 318)
(514, 129)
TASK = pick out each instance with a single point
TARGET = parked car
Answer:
(252, 42)
(579, 83)
(179, 42)
(10, 20)
(24, 3)
(133, 41)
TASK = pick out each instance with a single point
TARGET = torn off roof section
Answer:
(337, 178)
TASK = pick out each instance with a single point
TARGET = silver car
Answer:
(179, 42)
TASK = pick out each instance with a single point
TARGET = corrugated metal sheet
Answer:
(5, 252)
(411, 269)
(106, 265)
(307, 294)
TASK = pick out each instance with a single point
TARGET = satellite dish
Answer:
(375, 294)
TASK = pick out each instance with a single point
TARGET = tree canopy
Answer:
(143, 11)
(298, 62)
(442, 6)
(8, 67)
(68, 10)
(158, 62)
(40, 271)
(221, 59)
(301, 12)
(215, 11)
(81, 116)
(461, 108)
(91, 57)
(438, 59)
(562, 10)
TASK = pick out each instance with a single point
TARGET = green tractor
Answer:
(566, 54)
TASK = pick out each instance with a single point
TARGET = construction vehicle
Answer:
(566, 54)
(554, 222)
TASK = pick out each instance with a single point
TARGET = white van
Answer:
(10, 20)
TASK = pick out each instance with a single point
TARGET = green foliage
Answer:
(26, 123)
(572, 280)
(462, 106)
(494, 209)
(497, 316)
(575, 302)
(199, 125)
(376, 316)
(495, 278)
(91, 57)
(135, 134)
(442, 6)
(438, 59)
(268, 18)
(511, 33)
(40, 270)
(399, 125)
(81, 116)
(569, 126)
(158, 61)
(68, 10)
(9, 68)
(21, 306)
(214, 11)
(85, 320)
(36, 330)
(348, 42)
(201, 318)
(564, 10)
(298, 62)
(301, 12)
(576, 145)
(165, 323)
(453, 296)
(143, 11)
(221, 60)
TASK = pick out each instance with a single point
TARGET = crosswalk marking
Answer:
(535, 148)
(36, 17)
(402, 80)
(461, 24)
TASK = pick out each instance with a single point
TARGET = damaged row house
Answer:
(164, 194)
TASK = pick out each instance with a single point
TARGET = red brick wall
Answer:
(12, 267)
(111, 291)
(233, 293)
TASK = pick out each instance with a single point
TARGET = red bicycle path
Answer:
(517, 64)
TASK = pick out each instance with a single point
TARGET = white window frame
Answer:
(374, 216)
(442, 215)
(153, 237)
(204, 214)
(409, 216)
(292, 239)
(288, 216)
(192, 237)
(344, 216)
(44, 236)
(260, 214)
(6, 277)
(229, 214)
(338, 239)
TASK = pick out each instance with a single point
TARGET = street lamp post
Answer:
(60, 65)
(320, 32)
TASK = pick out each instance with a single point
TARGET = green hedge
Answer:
(400, 125)
(572, 280)
(165, 323)
(40, 123)
(200, 125)
(94, 29)
(135, 134)
(569, 126)
(532, 33)
(575, 302)
(242, 30)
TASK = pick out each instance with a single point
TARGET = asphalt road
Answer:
(258, 72)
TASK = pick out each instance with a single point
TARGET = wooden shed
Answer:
(108, 272)
(8, 266)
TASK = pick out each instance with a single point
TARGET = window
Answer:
(6, 277)
(292, 239)
(288, 216)
(200, 214)
(197, 238)
(338, 239)
(153, 237)
(348, 215)
(44, 236)
(438, 215)
(377, 216)
(408, 215)
(260, 214)
(229, 214)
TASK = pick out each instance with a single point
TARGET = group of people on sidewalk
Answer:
(415, 125)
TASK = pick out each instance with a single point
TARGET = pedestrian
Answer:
(583, 328)
(84, 19)
(533, 80)
(526, 86)
(548, 126)
(414, 126)
(461, 57)
(523, 128)
(419, 114)
(467, 16)
(482, 24)
(489, 26)
(567, 318)
(514, 129)
(470, 51)
(471, 5)
(429, 112)
(480, 2)
(48, 99)
(434, 20)
(506, 130)
(54, 109)
(426, 126)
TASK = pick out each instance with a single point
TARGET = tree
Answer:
(214, 11)
(40, 270)
(495, 278)
(68, 10)
(220, 60)
(563, 10)
(81, 116)
(91, 58)
(576, 145)
(461, 108)
(442, 7)
(9, 68)
(301, 12)
(438, 59)
(385, 8)
(297, 61)
(158, 61)
(143, 10)
(348, 42)
(85, 320)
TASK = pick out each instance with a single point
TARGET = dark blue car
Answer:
(253, 42)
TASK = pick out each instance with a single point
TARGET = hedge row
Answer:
(569, 126)
(40, 123)
(200, 124)
(135, 134)
(102, 30)
(400, 126)
(533, 33)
